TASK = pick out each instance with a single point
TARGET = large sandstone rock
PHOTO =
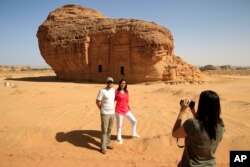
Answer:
(82, 44)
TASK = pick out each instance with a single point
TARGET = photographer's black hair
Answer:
(208, 112)
(119, 87)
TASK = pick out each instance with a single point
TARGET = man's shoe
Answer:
(103, 151)
(110, 147)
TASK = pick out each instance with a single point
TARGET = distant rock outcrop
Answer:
(209, 67)
(82, 44)
(15, 68)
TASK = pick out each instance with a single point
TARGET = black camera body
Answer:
(191, 103)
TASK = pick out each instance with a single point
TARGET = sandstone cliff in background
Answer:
(82, 44)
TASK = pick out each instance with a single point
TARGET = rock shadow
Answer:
(36, 79)
(51, 79)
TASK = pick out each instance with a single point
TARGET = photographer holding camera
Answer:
(202, 133)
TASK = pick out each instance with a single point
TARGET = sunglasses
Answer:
(109, 82)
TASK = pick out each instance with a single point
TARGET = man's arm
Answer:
(98, 103)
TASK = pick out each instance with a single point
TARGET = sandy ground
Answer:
(45, 122)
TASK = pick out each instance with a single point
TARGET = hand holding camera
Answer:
(187, 103)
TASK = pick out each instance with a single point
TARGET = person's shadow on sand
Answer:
(84, 138)
(81, 138)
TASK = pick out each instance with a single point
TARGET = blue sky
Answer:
(205, 32)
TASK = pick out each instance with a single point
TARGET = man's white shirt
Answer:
(107, 98)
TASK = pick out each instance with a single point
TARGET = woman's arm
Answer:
(128, 102)
(193, 112)
(178, 130)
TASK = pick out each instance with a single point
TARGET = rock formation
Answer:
(82, 44)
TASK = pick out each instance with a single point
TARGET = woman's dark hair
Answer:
(208, 112)
(119, 87)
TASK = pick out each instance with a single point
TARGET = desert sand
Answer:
(46, 122)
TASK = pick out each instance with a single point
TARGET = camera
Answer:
(191, 103)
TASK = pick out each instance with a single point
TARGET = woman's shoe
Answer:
(120, 141)
(136, 136)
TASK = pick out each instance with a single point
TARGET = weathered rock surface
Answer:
(82, 44)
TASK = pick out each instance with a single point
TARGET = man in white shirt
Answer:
(105, 102)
